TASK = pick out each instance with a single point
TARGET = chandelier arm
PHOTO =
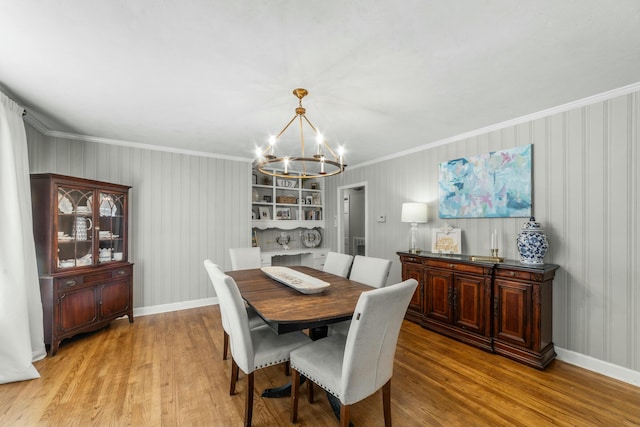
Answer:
(333, 153)
(285, 128)
(310, 124)
(304, 165)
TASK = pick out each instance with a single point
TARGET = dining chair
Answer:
(355, 366)
(370, 271)
(338, 264)
(245, 258)
(255, 321)
(251, 349)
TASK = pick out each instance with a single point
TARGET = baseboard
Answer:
(601, 367)
(177, 306)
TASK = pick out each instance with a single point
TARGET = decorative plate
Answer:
(301, 282)
(107, 209)
(64, 204)
(311, 238)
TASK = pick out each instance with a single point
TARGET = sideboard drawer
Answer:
(513, 274)
(457, 266)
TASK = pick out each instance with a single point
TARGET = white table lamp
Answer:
(414, 213)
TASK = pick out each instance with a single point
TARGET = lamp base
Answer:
(415, 250)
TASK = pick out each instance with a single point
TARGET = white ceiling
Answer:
(217, 76)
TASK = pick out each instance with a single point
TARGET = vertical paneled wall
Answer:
(585, 184)
(183, 209)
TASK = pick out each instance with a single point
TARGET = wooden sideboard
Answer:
(505, 308)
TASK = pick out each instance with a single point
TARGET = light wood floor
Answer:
(166, 369)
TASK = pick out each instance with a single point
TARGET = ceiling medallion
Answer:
(325, 162)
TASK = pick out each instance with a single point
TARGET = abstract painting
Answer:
(493, 185)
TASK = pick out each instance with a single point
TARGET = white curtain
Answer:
(21, 330)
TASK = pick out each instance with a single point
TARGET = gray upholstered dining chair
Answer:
(251, 349)
(245, 258)
(338, 264)
(355, 366)
(255, 321)
(370, 271)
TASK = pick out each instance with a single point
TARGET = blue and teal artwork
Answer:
(493, 185)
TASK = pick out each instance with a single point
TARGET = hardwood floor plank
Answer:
(166, 370)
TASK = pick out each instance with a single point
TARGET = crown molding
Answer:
(108, 141)
(625, 90)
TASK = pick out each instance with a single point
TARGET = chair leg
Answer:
(344, 415)
(386, 403)
(248, 406)
(287, 368)
(309, 391)
(234, 377)
(295, 388)
(225, 346)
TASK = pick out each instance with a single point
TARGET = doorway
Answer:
(352, 219)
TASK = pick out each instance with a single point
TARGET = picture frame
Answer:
(309, 200)
(446, 240)
(264, 213)
(283, 213)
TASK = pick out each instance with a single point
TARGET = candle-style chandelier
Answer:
(324, 162)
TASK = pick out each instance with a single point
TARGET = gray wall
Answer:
(586, 185)
(183, 209)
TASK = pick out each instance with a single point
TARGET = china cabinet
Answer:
(500, 307)
(80, 229)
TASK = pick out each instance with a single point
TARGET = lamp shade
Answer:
(414, 212)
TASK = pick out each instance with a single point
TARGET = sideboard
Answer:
(505, 307)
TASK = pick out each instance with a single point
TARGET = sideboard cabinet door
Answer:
(523, 324)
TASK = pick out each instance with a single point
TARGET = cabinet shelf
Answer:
(286, 203)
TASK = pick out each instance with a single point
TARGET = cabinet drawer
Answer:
(121, 272)
(411, 259)
(68, 282)
(513, 274)
(467, 268)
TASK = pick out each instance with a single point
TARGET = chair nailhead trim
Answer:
(277, 362)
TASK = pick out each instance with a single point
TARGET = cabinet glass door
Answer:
(111, 228)
(74, 232)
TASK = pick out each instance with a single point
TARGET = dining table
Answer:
(286, 309)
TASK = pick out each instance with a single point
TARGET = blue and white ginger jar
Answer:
(532, 243)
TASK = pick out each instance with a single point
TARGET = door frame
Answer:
(340, 205)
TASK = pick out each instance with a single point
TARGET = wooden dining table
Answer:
(285, 309)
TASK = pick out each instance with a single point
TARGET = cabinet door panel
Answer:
(469, 303)
(114, 298)
(77, 309)
(438, 295)
(513, 317)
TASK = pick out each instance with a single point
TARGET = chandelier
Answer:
(324, 162)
